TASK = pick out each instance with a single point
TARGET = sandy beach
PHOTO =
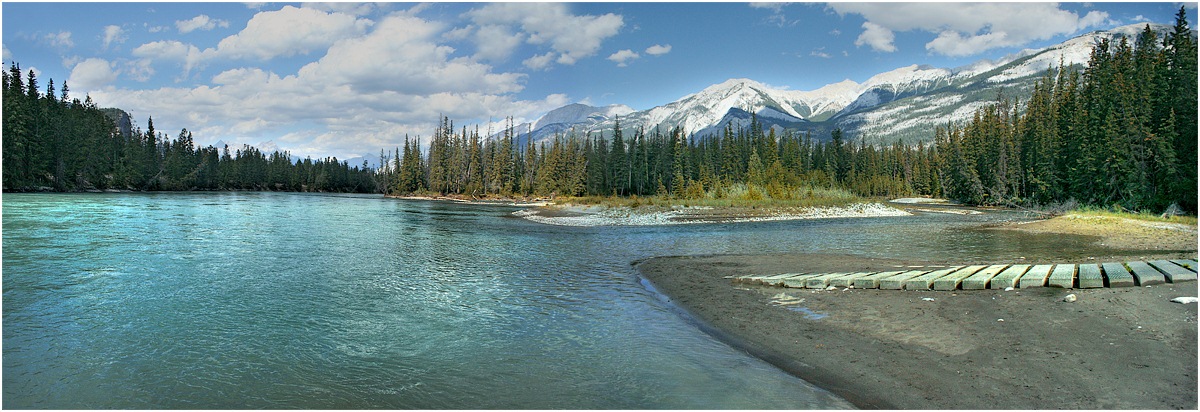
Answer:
(1120, 348)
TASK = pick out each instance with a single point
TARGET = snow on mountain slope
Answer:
(905, 103)
(581, 113)
(1074, 51)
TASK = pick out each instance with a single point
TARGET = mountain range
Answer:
(902, 104)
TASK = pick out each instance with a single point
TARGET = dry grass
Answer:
(738, 196)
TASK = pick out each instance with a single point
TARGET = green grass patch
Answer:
(1092, 211)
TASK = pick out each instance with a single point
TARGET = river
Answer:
(282, 300)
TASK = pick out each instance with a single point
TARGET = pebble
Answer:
(1070, 298)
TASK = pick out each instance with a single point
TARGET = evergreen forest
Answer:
(1120, 133)
(58, 143)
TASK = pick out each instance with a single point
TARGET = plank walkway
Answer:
(978, 277)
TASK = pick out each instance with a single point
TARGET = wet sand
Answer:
(1122, 348)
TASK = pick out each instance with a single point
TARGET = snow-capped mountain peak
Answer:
(904, 103)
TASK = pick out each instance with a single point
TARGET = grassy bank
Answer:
(1094, 212)
(738, 196)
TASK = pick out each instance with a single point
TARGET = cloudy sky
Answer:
(347, 79)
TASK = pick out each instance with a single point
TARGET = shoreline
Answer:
(1119, 348)
(590, 216)
(1112, 348)
(499, 202)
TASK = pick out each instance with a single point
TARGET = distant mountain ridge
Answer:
(902, 104)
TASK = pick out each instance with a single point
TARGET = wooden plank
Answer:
(1063, 276)
(1008, 278)
(797, 281)
(846, 281)
(771, 280)
(980, 279)
(872, 281)
(1174, 273)
(1116, 275)
(1187, 263)
(1090, 277)
(897, 282)
(779, 280)
(1144, 274)
(753, 279)
(822, 281)
(951, 281)
(925, 282)
(1035, 277)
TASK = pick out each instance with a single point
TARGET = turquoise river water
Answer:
(275, 300)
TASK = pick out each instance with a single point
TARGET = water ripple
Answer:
(265, 300)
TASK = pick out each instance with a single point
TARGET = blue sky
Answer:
(347, 79)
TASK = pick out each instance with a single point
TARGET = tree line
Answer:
(56, 142)
(655, 162)
(1120, 133)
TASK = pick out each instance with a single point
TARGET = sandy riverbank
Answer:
(1124, 348)
(580, 215)
(473, 201)
(1117, 232)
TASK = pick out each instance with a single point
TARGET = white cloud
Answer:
(539, 62)
(951, 43)
(354, 9)
(496, 43)
(777, 18)
(400, 55)
(154, 29)
(60, 39)
(113, 35)
(571, 37)
(876, 36)
(139, 69)
(773, 6)
(461, 33)
(187, 55)
(820, 52)
(623, 57)
(290, 31)
(366, 93)
(91, 74)
(7, 53)
(658, 50)
(967, 28)
(201, 22)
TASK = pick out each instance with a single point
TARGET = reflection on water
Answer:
(264, 300)
(261, 300)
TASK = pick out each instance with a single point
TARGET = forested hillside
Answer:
(1121, 133)
(55, 142)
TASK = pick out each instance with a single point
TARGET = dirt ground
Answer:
(1122, 348)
